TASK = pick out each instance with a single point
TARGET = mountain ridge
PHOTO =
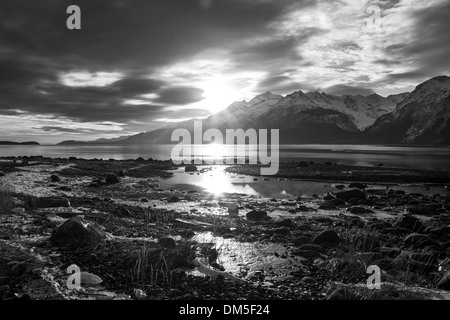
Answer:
(406, 118)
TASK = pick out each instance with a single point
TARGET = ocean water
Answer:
(420, 157)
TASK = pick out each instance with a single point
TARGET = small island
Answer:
(12, 143)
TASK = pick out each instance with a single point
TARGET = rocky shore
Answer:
(132, 239)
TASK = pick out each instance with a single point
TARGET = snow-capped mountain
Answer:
(422, 117)
(355, 112)
(243, 114)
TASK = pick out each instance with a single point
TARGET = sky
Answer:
(137, 65)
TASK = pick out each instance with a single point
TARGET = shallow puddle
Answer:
(244, 259)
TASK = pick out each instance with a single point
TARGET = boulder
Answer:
(424, 210)
(409, 222)
(357, 185)
(309, 280)
(257, 215)
(190, 168)
(111, 178)
(336, 202)
(76, 233)
(351, 194)
(360, 210)
(54, 178)
(282, 231)
(52, 202)
(327, 236)
(173, 199)
(286, 223)
(167, 242)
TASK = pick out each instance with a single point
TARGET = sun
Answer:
(218, 95)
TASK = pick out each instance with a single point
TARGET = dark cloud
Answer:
(60, 129)
(180, 95)
(132, 37)
(344, 89)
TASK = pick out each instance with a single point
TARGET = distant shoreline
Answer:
(12, 143)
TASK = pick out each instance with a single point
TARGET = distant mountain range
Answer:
(11, 143)
(419, 117)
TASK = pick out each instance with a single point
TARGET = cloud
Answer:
(179, 95)
(138, 61)
(343, 89)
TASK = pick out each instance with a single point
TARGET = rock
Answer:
(300, 240)
(233, 211)
(139, 294)
(52, 202)
(302, 208)
(286, 223)
(54, 178)
(424, 210)
(337, 202)
(309, 280)
(351, 194)
(111, 178)
(190, 168)
(173, 199)
(89, 279)
(328, 197)
(410, 223)
(76, 233)
(1, 174)
(419, 240)
(355, 201)
(444, 283)
(357, 185)
(186, 233)
(328, 236)
(360, 210)
(143, 200)
(340, 187)
(328, 206)
(257, 215)
(282, 231)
